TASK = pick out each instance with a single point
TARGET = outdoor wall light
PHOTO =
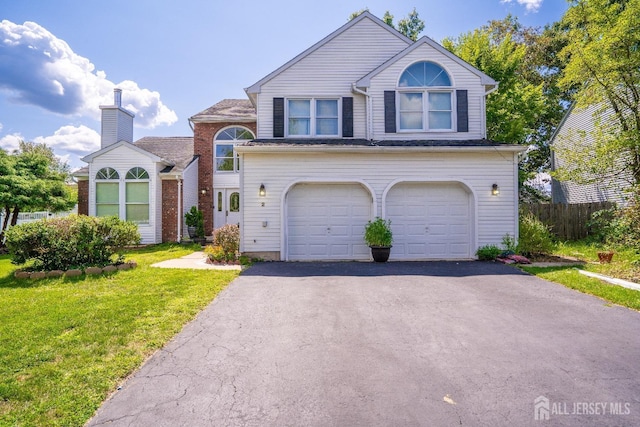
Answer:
(203, 191)
(263, 191)
(495, 190)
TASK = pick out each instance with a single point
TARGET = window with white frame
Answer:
(137, 196)
(313, 117)
(226, 160)
(107, 192)
(425, 98)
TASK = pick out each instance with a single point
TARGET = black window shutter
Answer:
(389, 111)
(462, 110)
(278, 117)
(347, 117)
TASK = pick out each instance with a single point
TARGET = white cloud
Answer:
(530, 5)
(79, 140)
(10, 142)
(38, 68)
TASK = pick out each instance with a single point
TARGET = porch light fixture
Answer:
(203, 191)
(495, 190)
(263, 191)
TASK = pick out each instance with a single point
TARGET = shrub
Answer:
(73, 241)
(215, 253)
(618, 226)
(509, 243)
(535, 237)
(228, 238)
(488, 252)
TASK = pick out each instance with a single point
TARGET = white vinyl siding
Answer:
(496, 215)
(461, 79)
(329, 72)
(122, 159)
(116, 126)
(189, 191)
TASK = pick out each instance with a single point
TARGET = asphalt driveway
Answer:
(395, 344)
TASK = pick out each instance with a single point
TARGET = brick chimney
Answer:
(117, 123)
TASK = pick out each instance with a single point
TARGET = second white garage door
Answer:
(430, 221)
(326, 222)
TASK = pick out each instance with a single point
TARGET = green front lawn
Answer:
(65, 344)
(625, 265)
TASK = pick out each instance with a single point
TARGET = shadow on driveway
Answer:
(374, 269)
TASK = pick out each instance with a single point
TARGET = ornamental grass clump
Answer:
(75, 241)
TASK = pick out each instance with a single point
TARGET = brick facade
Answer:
(203, 146)
(170, 210)
(83, 197)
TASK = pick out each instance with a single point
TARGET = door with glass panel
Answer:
(226, 206)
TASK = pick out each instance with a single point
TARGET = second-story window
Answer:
(425, 98)
(313, 117)
(225, 158)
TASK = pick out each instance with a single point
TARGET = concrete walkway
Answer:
(366, 344)
(196, 260)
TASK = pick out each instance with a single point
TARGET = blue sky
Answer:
(61, 59)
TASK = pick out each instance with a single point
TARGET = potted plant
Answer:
(378, 235)
(195, 223)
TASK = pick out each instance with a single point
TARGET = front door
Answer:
(226, 207)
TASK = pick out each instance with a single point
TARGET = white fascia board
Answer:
(256, 87)
(219, 119)
(115, 107)
(484, 79)
(89, 158)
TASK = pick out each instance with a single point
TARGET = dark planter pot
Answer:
(192, 232)
(380, 253)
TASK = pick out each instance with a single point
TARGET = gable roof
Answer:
(89, 158)
(256, 87)
(227, 110)
(175, 152)
(485, 79)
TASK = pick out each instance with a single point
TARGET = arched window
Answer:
(425, 98)
(225, 158)
(424, 74)
(107, 192)
(137, 195)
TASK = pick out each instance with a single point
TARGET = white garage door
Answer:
(430, 221)
(326, 222)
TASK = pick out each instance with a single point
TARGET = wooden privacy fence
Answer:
(568, 222)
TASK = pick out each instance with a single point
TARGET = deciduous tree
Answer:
(603, 67)
(32, 179)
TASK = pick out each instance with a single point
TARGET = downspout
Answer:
(190, 124)
(179, 210)
(484, 109)
(367, 112)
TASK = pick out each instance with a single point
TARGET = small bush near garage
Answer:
(488, 252)
(535, 237)
(75, 241)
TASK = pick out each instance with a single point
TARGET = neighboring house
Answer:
(364, 123)
(576, 128)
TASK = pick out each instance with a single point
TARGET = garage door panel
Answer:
(430, 221)
(332, 224)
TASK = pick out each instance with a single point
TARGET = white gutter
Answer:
(367, 112)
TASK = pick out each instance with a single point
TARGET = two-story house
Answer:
(364, 123)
